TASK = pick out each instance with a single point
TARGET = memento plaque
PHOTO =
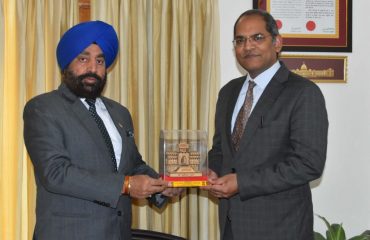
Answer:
(183, 157)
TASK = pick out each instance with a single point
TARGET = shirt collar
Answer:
(97, 102)
(265, 77)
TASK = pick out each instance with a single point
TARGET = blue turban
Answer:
(82, 35)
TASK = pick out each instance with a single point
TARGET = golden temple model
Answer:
(304, 71)
(183, 163)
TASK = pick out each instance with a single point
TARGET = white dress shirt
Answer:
(261, 82)
(109, 125)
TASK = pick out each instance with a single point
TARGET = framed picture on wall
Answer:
(320, 69)
(314, 26)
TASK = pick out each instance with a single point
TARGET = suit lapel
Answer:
(84, 116)
(265, 102)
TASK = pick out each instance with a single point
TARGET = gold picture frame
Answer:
(300, 25)
(318, 68)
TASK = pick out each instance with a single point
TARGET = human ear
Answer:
(278, 43)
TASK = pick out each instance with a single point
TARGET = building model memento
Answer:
(183, 163)
(183, 157)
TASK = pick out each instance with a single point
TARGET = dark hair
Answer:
(271, 26)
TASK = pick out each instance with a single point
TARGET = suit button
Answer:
(119, 213)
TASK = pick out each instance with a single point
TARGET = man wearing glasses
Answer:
(270, 141)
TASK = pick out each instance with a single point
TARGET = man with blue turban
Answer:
(87, 166)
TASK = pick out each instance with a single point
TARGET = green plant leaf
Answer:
(318, 236)
(326, 221)
(338, 232)
(362, 237)
(335, 231)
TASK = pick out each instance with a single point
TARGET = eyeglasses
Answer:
(254, 39)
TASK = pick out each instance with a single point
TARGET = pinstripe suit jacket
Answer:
(283, 148)
(78, 194)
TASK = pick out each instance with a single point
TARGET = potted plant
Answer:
(336, 232)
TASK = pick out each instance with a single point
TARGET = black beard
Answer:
(79, 88)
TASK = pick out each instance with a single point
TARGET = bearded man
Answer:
(87, 166)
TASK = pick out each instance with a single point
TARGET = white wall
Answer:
(342, 195)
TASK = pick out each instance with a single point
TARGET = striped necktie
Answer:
(103, 130)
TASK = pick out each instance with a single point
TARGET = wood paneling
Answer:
(84, 10)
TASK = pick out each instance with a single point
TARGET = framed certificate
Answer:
(315, 25)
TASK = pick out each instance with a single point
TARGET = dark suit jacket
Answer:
(283, 148)
(78, 194)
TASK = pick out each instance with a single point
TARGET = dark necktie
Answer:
(103, 130)
(243, 115)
